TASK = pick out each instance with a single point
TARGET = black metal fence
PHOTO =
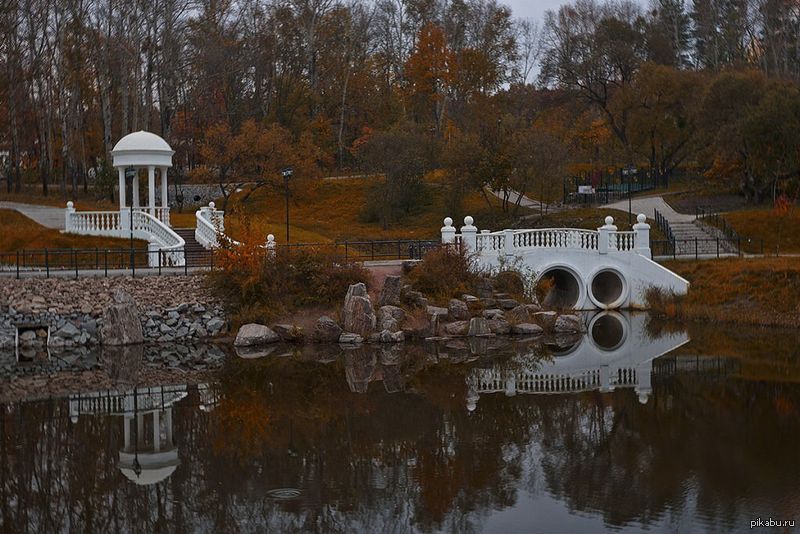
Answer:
(97, 261)
(705, 248)
(705, 214)
(663, 224)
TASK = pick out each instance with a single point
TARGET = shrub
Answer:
(258, 286)
(444, 273)
(510, 282)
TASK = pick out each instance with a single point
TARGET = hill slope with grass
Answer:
(18, 232)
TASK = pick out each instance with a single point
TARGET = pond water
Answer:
(631, 426)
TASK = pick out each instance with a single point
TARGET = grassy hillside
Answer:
(19, 232)
(760, 291)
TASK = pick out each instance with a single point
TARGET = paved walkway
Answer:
(692, 239)
(525, 202)
(47, 216)
(648, 205)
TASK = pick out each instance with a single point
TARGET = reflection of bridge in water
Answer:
(616, 352)
(149, 454)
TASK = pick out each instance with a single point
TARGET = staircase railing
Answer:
(170, 244)
(210, 228)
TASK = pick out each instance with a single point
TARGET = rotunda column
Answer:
(136, 203)
(151, 190)
(164, 202)
(121, 172)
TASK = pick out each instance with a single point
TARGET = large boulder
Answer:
(500, 327)
(326, 330)
(390, 318)
(390, 293)
(121, 325)
(478, 326)
(359, 317)
(545, 319)
(526, 329)
(458, 310)
(522, 313)
(254, 334)
(457, 328)
(289, 332)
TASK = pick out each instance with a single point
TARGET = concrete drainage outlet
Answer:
(561, 288)
(608, 289)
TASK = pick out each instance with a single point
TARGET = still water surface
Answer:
(630, 427)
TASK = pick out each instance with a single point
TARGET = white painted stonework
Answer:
(602, 269)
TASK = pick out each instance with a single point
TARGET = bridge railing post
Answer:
(604, 244)
(641, 236)
(469, 234)
(448, 232)
(68, 217)
(508, 242)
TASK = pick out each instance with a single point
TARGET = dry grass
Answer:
(86, 201)
(331, 212)
(762, 223)
(19, 232)
(758, 291)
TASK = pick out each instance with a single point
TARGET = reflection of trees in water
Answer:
(377, 460)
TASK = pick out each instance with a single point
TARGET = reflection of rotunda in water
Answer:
(149, 454)
(616, 352)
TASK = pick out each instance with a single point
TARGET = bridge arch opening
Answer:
(559, 288)
(608, 330)
(608, 289)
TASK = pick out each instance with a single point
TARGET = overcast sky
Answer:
(532, 9)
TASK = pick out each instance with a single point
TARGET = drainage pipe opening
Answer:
(559, 288)
(608, 289)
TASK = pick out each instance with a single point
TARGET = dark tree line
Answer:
(504, 102)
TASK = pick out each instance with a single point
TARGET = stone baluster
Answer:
(469, 234)
(641, 236)
(448, 232)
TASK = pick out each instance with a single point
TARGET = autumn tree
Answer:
(402, 155)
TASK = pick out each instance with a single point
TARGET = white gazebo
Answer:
(143, 150)
(136, 151)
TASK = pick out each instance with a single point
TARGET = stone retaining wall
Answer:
(172, 308)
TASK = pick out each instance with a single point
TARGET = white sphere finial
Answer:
(609, 220)
(641, 218)
(70, 204)
(212, 205)
(448, 221)
(270, 238)
(468, 220)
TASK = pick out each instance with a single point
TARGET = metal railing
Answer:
(400, 249)
(705, 248)
(705, 214)
(663, 224)
(76, 262)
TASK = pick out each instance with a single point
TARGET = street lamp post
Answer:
(287, 174)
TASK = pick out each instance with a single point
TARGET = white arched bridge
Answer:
(588, 269)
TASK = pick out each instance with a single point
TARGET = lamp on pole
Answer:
(287, 174)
